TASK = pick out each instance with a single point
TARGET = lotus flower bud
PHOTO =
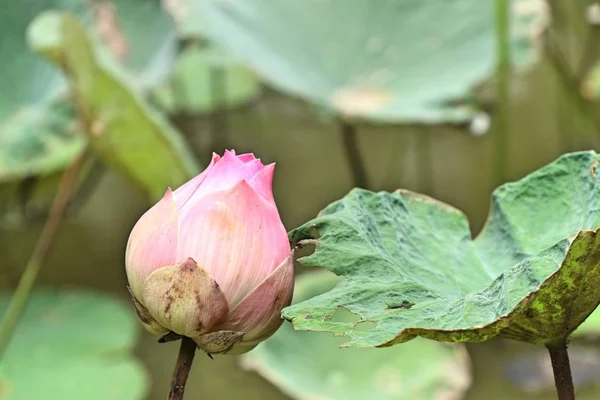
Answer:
(211, 260)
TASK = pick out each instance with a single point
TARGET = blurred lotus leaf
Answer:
(35, 145)
(72, 345)
(412, 269)
(308, 365)
(39, 132)
(122, 128)
(38, 141)
(391, 61)
(136, 34)
(189, 19)
(193, 86)
(36, 135)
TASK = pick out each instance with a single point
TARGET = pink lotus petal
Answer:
(246, 157)
(152, 243)
(224, 175)
(259, 313)
(253, 168)
(262, 182)
(185, 191)
(236, 235)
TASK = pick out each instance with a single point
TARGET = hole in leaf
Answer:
(305, 248)
(344, 315)
(364, 326)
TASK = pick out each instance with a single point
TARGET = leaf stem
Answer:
(355, 161)
(182, 368)
(425, 162)
(500, 133)
(562, 370)
(570, 83)
(19, 299)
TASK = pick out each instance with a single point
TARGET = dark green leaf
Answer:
(412, 269)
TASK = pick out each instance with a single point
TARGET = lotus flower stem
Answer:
(425, 161)
(569, 82)
(562, 370)
(357, 166)
(182, 368)
(19, 299)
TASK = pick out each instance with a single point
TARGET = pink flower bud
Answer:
(212, 260)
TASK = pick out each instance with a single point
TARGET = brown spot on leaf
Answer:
(593, 169)
(405, 305)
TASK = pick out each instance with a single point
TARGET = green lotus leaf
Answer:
(38, 141)
(309, 365)
(124, 131)
(392, 61)
(36, 135)
(72, 345)
(137, 35)
(189, 19)
(191, 86)
(38, 131)
(411, 267)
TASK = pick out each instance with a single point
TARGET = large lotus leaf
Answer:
(72, 345)
(191, 87)
(25, 79)
(123, 129)
(412, 269)
(189, 19)
(142, 34)
(392, 60)
(38, 140)
(34, 139)
(36, 134)
(309, 365)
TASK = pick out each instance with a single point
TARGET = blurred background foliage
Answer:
(448, 98)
